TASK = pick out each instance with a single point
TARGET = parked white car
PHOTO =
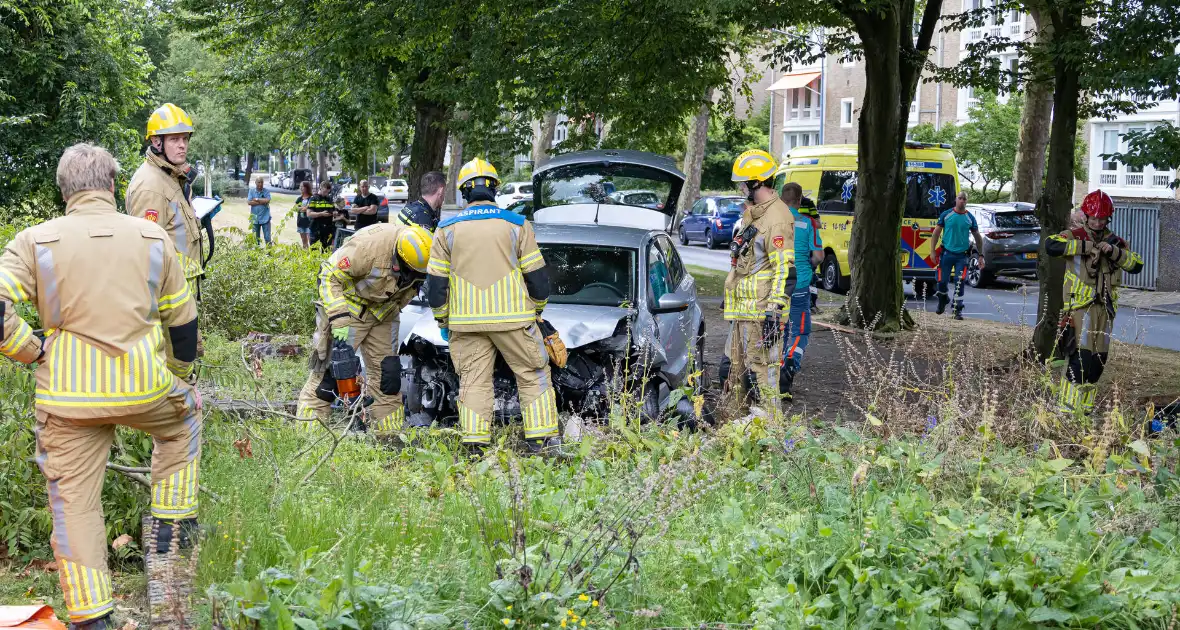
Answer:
(513, 192)
(397, 190)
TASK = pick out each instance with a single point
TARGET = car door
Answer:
(666, 275)
(690, 218)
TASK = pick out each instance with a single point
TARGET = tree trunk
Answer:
(321, 166)
(543, 138)
(249, 166)
(1056, 200)
(694, 158)
(429, 145)
(1029, 173)
(876, 296)
(395, 167)
(453, 173)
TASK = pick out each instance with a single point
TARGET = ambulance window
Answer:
(837, 192)
(928, 195)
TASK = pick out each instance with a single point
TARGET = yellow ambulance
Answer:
(827, 174)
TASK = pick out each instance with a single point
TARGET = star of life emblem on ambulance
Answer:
(936, 196)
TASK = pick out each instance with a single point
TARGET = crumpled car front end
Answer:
(605, 357)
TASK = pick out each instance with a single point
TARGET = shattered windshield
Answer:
(593, 275)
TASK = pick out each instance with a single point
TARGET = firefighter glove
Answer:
(554, 346)
(772, 328)
(340, 334)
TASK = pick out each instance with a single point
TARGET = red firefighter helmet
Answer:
(1098, 205)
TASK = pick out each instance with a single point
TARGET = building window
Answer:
(801, 139)
(846, 112)
(794, 104)
(806, 103)
(1135, 169)
(1110, 144)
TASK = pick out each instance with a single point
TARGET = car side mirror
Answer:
(671, 303)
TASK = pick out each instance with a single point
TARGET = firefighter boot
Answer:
(540, 445)
(102, 623)
(943, 300)
(185, 530)
(786, 378)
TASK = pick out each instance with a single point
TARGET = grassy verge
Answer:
(710, 282)
(236, 214)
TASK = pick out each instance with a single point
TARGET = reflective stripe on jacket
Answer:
(483, 253)
(758, 279)
(105, 347)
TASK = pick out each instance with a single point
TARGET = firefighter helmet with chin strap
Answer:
(168, 119)
(1098, 205)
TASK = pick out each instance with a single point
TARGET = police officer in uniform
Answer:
(427, 209)
(756, 287)
(487, 285)
(103, 362)
(161, 189)
(1095, 261)
(363, 287)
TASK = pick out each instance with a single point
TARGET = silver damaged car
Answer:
(621, 298)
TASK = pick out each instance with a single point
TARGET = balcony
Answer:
(1161, 181)
(1133, 179)
(1108, 179)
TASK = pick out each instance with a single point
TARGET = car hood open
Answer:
(616, 163)
(577, 324)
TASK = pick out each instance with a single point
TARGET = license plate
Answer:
(1031, 255)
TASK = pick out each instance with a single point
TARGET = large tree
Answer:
(894, 39)
(69, 72)
(1107, 57)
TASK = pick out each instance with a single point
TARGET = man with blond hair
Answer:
(120, 338)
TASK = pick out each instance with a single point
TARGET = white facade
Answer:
(1012, 24)
(1120, 180)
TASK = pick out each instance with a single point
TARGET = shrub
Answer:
(267, 290)
(25, 521)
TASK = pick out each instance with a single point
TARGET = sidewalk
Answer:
(1159, 301)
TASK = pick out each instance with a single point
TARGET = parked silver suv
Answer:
(1011, 239)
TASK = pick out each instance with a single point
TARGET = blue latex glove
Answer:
(446, 334)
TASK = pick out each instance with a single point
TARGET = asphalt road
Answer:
(1007, 300)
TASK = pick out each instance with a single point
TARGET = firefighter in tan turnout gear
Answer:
(103, 361)
(756, 290)
(1095, 261)
(363, 287)
(161, 189)
(487, 285)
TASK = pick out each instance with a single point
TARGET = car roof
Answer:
(610, 235)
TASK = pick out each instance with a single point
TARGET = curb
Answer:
(1154, 309)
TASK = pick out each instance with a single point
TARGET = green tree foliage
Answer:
(727, 138)
(70, 71)
(333, 64)
(1104, 57)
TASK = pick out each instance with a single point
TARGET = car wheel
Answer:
(977, 277)
(683, 236)
(831, 279)
(709, 242)
(650, 402)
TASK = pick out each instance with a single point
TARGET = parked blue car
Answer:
(711, 220)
